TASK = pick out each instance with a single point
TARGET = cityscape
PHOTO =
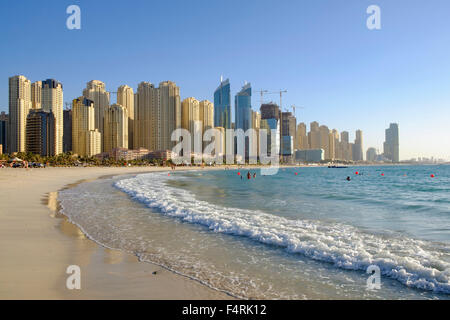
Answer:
(139, 124)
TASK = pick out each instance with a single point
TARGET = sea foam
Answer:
(414, 263)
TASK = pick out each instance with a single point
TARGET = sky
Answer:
(341, 73)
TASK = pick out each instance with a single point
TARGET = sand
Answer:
(37, 244)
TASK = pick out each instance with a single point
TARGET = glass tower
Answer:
(222, 105)
(243, 108)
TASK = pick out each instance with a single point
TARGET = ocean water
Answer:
(304, 233)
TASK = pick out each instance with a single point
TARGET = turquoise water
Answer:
(405, 200)
(310, 235)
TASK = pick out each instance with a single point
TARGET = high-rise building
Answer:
(115, 127)
(52, 101)
(324, 134)
(243, 108)
(19, 106)
(190, 118)
(4, 131)
(358, 146)
(125, 97)
(147, 121)
(206, 115)
(391, 144)
(40, 137)
(96, 92)
(335, 147)
(222, 105)
(270, 111)
(314, 135)
(371, 154)
(302, 138)
(170, 106)
(86, 139)
(36, 95)
(344, 146)
(256, 125)
(67, 131)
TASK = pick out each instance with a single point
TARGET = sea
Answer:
(303, 233)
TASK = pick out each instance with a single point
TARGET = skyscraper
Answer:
(222, 105)
(324, 134)
(86, 139)
(371, 154)
(96, 92)
(4, 131)
(52, 101)
(115, 127)
(243, 108)
(391, 145)
(67, 131)
(19, 106)
(190, 118)
(358, 146)
(314, 135)
(40, 137)
(302, 138)
(36, 95)
(170, 106)
(206, 115)
(147, 121)
(125, 97)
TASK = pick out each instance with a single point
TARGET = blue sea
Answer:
(304, 233)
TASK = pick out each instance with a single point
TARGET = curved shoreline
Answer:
(60, 211)
(35, 251)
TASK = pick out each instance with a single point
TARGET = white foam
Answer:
(414, 263)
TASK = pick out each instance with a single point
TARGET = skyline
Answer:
(345, 75)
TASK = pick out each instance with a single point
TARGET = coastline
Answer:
(37, 244)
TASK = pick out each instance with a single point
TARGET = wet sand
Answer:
(37, 244)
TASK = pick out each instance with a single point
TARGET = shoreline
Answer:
(38, 243)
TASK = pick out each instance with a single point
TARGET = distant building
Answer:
(269, 125)
(222, 105)
(312, 155)
(67, 130)
(40, 130)
(358, 147)
(52, 101)
(19, 106)
(115, 127)
(314, 135)
(391, 144)
(243, 108)
(125, 97)
(371, 154)
(86, 139)
(4, 131)
(96, 92)
(270, 111)
(36, 95)
(302, 137)
(190, 118)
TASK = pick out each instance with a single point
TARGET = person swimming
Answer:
(348, 178)
(254, 175)
(249, 176)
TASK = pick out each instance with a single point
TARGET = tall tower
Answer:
(190, 118)
(358, 146)
(170, 106)
(243, 108)
(36, 95)
(41, 133)
(19, 106)
(147, 121)
(116, 128)
(125, 97)
(96, 92)
(86, 139)
(391, 145)
(52, 101)
(222, 105)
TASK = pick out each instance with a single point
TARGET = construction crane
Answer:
(293, 107)
(262, 94)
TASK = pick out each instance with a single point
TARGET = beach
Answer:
(37, 245)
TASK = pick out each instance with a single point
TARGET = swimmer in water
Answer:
(249, 176)
(348, 179)
(254, 175)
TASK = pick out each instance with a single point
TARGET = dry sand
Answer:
(37, 245)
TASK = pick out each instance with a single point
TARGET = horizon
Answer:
(343, 74)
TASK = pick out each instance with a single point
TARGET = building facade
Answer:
(52, 101)
(222, 105)
(125, 98)
(391, 145)
(86, 139)
(19, 106)
(115, 128)
(40, 138)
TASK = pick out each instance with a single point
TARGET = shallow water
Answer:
(310, 235)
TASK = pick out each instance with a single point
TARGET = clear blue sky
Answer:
(345, 75)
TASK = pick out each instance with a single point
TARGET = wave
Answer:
(412, 262)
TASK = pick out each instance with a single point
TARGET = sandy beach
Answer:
(37, 245)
